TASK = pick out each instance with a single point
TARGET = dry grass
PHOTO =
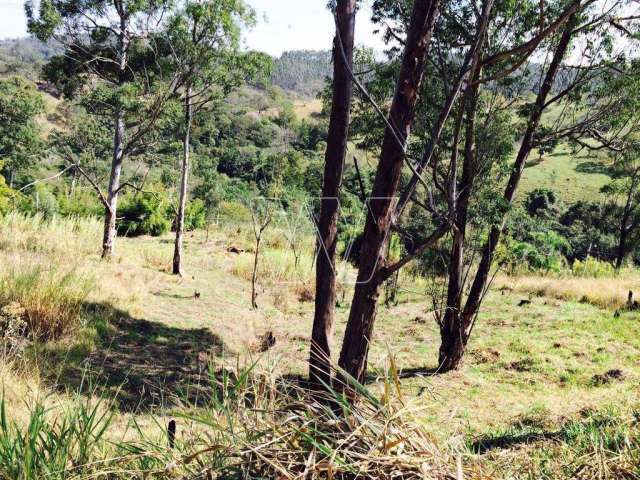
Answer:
(49, 299)
(158, 257)
(61, 239)
(521, 359)
(607, 293)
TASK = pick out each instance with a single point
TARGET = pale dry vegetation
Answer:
(255, 419)
(603, 292)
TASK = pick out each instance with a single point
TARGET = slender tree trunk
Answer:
(254, 275)
(355, 346)
(450, 328)
(111, 209)
(621, 252)
(453, 347)
(109, 235)
(622, 241)
(325, 299)
(184, 179)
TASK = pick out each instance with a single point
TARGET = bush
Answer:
(81, 203)
(195, 215)
(143, 214)
(5, 195)
(546, 251)
(234, 212)
(48, 299)
(592, 268)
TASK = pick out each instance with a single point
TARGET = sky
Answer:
(282, 25)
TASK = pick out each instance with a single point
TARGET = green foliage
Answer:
(143, 214)
(592, 268)
(545, 251)
(6, 195)
(55, 449)
(195, 215)
(81, 202)
(591, 229)
(20, 141)
(540, 201)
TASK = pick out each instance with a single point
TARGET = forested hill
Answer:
(302, 71)
(24, 56)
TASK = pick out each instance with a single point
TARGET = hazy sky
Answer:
(282, 25)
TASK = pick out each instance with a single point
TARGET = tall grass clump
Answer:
(254, 425)
(608, 292)
(56, 235)
(262, 426)
(592, 268)
(48, 299)
(55, 445)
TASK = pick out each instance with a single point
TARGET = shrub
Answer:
(49, 299)
(80, 203)
(5, 195)
(233, 212)
(540, 200)
(195, 215)
(592, 268)
(143, 214)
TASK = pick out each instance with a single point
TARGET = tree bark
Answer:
(325, 298)
(453, 347)
(450, 328)
(621, 252)
(109, 235)
(355, 346)
(111, 208)
(184, 179)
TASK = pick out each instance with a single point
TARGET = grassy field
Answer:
(548, 390)
(572, 176)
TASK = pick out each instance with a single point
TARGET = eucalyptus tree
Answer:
(337, 137)
(110, 61)
(585, 112)
(359, 328)
(203, 44)
(473, 45)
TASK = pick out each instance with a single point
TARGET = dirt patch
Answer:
(524, 365)
(607, 377)
(485, 355)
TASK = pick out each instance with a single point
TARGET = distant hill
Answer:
(25, 56)
(302, 71)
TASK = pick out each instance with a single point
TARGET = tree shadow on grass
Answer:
(594, 167)
(143, 365)
(487, 443)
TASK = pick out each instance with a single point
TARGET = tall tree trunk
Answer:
(325, 299)
(111, 209)
(621, 252)
(450, 336)
(453, 346)
(355, 346)
(114, 186)
(184, 178)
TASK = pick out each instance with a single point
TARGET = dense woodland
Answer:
(352, 179)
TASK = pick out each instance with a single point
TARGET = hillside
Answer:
(302, 71)
(148, 344)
